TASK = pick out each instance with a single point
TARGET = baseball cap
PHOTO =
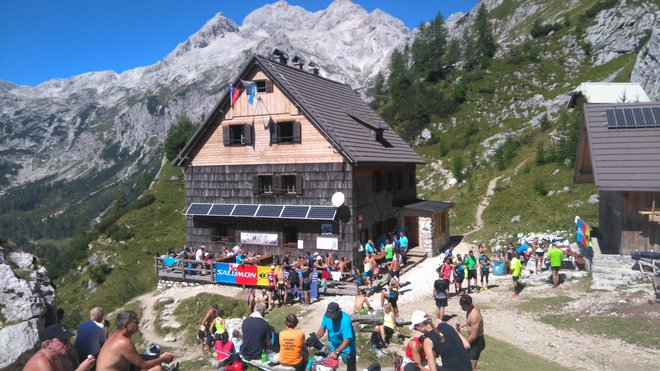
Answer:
(55, 331)
(333, 311)
(272, 267)
(319, 258)
(417, 317)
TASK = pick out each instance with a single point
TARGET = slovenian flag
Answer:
(234, 92)
(251, 88)
(583, 233)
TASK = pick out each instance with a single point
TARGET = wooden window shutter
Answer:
(277, 187)
(225, 136)
(269, 86)
(255, 185)
(296, 132)
(299, 184)
(247, 134)
(273, 133)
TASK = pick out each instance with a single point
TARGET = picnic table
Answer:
(259, 260)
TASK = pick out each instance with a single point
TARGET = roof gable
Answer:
(338, 112)
(623, 159)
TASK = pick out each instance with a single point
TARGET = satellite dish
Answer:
(338, 199)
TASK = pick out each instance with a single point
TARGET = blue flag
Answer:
(251, 89)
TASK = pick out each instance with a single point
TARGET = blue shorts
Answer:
(369, 273)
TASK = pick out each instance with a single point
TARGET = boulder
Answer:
(27, 301)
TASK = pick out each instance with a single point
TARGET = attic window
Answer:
(264, 86)
(379, 135)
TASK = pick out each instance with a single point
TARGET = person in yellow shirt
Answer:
(516, 267)
(292, 345)
(556, 255)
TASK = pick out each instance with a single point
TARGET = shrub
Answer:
(540, 187)
(539, 29)
(98, 273)
(120, 233)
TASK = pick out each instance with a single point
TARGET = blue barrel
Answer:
(498, 267)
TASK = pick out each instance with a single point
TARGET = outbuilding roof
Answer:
(609, 92)
(336, 110)
(624, 145)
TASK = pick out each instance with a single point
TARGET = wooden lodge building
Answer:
(619, 151)
(266, 174)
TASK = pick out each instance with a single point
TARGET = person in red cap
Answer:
(53, 353)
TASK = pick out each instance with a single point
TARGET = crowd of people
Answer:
(94, 347)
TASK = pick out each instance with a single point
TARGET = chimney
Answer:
(280, 56)
(314, 67)
(298, 62)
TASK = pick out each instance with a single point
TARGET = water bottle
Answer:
(264, 358)
(309, 364)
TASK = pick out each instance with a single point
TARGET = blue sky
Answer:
(45, 39)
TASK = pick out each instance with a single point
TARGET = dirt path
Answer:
(148, 302)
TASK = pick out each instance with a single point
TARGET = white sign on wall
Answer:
(252, 238)
(327, 243)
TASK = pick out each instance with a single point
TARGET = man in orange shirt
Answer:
(292, 345)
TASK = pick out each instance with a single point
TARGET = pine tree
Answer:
(453, 54)
(480, 45)
(428, 49)
(177, 136)
(377, 91)
(399, 80)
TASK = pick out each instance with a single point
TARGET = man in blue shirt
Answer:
(91, 334)
(370, 247)
(403, 240)
(340, 334)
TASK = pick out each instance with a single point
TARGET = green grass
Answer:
(138, 339)
(551, 303)
(159, 306)
(156, 227)
(190, 312)
(636, 330)
(277, 316)
(500, 355)
(625, 72)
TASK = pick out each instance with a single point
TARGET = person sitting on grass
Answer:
(362, 305)
(414, 354)
(218, 325)
(223, 349)
(256, 333)
(388, 328)
(293, 352)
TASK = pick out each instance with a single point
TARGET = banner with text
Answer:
(237, 274)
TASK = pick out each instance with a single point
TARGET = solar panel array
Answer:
(262, 211)
(635, 117)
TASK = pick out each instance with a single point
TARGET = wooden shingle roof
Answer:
(335, 109)
(623, 159)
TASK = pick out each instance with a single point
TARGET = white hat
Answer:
(417, 317)
(316, 253)
(336, 261)
(319, 258)
(272, 267)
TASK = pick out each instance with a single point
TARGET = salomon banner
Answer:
(237, 274)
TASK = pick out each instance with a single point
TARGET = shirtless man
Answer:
(395, 265)
(342, 265)
(119, 353)
(204, 333)
(281, 287)
(475, 326)
(53, 355)
(362, 305)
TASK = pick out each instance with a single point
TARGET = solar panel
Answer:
(244, 210)
(269, 211)
(321, 212)
(198, 209)
(295, 212)
(221, 209)
(636, 117)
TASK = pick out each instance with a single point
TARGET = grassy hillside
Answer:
(122, 261)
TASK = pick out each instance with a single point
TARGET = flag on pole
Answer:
(583, 233)
(234, 92)
(251, 88)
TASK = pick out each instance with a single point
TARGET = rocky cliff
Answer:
(26, 300)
